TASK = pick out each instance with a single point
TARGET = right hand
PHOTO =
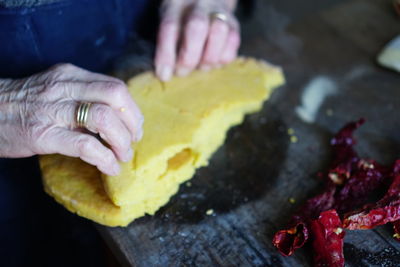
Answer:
(37, 116)
(188, 38)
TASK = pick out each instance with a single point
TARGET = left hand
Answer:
(190, 37)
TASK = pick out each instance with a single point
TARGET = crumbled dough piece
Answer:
(290, 131)
(186, 120)
(210, 212)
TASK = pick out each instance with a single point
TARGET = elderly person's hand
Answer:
(38, 116)
(195, 33)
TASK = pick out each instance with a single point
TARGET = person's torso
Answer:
(89, 33)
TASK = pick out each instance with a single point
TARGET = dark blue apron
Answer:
(34, 230)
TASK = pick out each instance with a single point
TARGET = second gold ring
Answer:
(219, 16)
(82, 114)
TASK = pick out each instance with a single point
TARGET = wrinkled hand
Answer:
(37, 116)
(203, 42)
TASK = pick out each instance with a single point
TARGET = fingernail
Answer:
(138, 136)
(115, 169)
(129, 155)
(182, 72)
(165, 73)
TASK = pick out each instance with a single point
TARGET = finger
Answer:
(115, 95)
(103, 120)
(84, 146)
(166, 48)
(194, 38)
(216, 39)
(232, 44)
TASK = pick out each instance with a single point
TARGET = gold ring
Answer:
(82, 114)
(219, 16)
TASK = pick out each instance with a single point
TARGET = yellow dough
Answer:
(186, 120)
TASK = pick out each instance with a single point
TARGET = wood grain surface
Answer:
(251, 178)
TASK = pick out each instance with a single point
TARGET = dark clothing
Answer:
(88, 33)
(25, 3)
(37, 231)
(34, 229)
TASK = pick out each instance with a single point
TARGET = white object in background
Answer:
(313, 96)
(390, 55)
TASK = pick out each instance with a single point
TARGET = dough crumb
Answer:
(329, 112)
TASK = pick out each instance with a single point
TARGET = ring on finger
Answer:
(219, 16)
(82, 114)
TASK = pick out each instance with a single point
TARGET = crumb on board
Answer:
(338, 230)
(188, 184)
(290, 131)
(292, 200)
(329, 112)
(294, 139)
(210, 212)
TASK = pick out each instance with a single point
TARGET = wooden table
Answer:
(250, 179)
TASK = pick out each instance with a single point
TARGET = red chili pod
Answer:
(385, 210)
(287, 241)
(294, 237)
(327, 235)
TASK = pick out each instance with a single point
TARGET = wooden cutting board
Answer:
(228, 213)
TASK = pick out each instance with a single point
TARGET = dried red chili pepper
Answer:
(327, 235)
(344, 155)
(350, 182)
(288, 240)
(356, 178)
(294, 237)
(385, 210)
(366, 177)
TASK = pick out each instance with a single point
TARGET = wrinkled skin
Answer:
(189, 38)
(37, 116)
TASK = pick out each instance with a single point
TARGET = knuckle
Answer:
(52, 88)
(219, 27)
(168, 23)
(61, 67)
(108, 157)
(84, 144)
(52, 85)
(116, 91)
(197, 25)
(167, 28)
(102, 116)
